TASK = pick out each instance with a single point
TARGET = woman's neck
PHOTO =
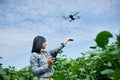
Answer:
(41, 50)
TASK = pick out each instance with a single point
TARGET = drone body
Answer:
(72, 17)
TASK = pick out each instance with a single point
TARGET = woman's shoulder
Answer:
(47, 53)
(36, 55)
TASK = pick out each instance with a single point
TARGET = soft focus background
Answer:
(22, 20)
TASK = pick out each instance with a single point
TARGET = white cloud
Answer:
(38, 10)
(12, 41)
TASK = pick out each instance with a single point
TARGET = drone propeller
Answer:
(76, 13)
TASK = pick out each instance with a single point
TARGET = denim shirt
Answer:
(39, 64)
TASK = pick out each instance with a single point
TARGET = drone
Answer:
(72, 17)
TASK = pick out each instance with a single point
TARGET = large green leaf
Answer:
(107, 71)
(59, 77)
(115, 75)
(102, 38)
(74, 68)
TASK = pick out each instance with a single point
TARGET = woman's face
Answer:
(44, 45)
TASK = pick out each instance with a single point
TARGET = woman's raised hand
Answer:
(67, 40)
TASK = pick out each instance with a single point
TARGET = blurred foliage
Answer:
(11, 73)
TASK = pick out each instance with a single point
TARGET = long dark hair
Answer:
(37, 44)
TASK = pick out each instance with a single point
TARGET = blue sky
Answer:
(22, 20)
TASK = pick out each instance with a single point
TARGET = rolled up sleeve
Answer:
(55, 51)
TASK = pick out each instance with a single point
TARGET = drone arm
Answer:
(65, 17)
(76, 13)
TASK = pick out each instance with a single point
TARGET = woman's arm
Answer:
(36, 70)
(54, 52)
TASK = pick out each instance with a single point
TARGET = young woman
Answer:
(41, 61)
